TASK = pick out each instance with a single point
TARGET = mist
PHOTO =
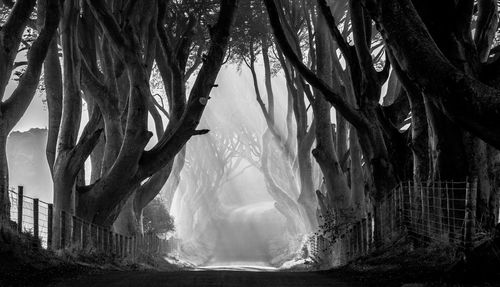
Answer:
(235, 221)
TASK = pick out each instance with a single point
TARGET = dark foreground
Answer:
(209, 278)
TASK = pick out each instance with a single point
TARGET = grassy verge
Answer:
(402, 263)
(23, 262)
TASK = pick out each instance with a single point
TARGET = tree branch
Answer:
(20, 99)
(172, 143)
(10, 38)
(465, 100)
(88, 140)
(352, 115)
(486, 27)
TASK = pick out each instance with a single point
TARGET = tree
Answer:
(462, 89)
(178, 55)
(124, 107)
(156, 218)
(295, 197)
(375, 131)
(211, 161)
(14, 106)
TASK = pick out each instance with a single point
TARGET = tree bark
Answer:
(465, 100)
(338, 194)
(52, 75)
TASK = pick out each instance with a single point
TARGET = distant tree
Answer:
(287, 150)
(156, 218)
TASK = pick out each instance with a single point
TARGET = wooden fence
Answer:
(33, 216)
(441, 212)
(79, 234)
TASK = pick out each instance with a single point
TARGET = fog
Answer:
(225, 217)
(236, 222)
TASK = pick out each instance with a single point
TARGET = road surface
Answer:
(208, 279)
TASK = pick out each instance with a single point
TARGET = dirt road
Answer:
(208, 279)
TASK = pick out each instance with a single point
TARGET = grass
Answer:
(23, 261)
(402, 263)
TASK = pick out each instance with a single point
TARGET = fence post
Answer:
(358, 239)
(124, 246)
(75, 233)
(85, 238)
(136, 244)
(349, 244)
(423, 222)
(342, 253)
(364, 235)
(131, 246)
(50, 216)
(470, 210)
(94, 235)
(369, 232)
(401, 207)
(120, 245)
(127, 246)
(410, 205)
(439, 204)
(102, 244)
(35, 217)
(134, 238)
(110, 242)
(428, 210)
(97, 238)
(63, 229)
(20, 197)
(391, 213)
(117, 244)
(105, 240)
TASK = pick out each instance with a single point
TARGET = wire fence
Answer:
(30, 216)
(437, 212)
(442, 212)
(34, 217)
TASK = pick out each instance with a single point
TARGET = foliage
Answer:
(156, 218)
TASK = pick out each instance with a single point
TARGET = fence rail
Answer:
(33, 216)
(80, 234)
(441, 212)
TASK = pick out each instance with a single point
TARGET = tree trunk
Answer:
(284, 203)
(64, 188)
(174, 179)
(307, 198)
(421, 146)
(491, 216)
(129, 222)
(54, 90)
(4, 177)
(357, 178)
(464, 99)
(13, 108)
(102, 203)
(338, 194)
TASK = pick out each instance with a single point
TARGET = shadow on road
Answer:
(209, 278)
